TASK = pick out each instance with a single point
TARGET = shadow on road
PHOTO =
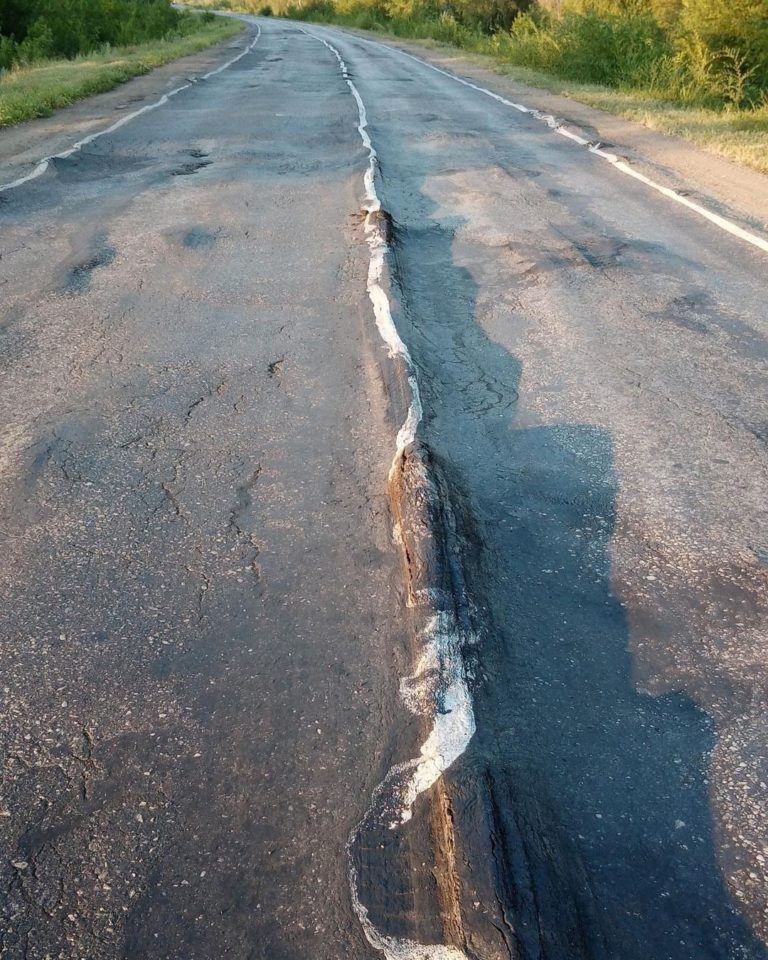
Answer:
(593, 798)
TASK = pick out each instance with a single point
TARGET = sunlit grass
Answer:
(738, 135)
(33, 91)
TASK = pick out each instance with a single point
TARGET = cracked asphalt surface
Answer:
(201, 605)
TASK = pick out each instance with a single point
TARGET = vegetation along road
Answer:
(383, 493)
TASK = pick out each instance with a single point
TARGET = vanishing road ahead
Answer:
(269, 692)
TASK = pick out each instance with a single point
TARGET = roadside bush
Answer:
(734, 34)
(530, 43)
(38, 29)
(318, 10)
(38, 43)
(9, 53)
(609, 48)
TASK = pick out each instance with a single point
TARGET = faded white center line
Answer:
(438, 688)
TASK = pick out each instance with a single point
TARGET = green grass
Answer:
(737, 134)
(33, 91)
(740, 135)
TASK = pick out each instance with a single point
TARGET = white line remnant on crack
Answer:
(42, 165)
(446, 703)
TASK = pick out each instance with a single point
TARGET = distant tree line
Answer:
(33, 30)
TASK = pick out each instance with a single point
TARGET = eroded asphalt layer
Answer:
(203, 617)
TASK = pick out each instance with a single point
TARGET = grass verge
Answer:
(740, 135)
(737, 135)
(37, 90)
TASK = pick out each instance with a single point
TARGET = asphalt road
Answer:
(218, 661)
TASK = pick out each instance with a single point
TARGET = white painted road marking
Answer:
(43, 164)
(453, 725)
(622, 165)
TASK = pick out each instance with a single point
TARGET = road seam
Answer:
(438, 690)
(42, 165)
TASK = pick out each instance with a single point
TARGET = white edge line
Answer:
(42, 165)
(616, 162)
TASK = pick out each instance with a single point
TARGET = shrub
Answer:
(313, 10)
(35, 29)
(38, 44)
(9, 52)
(531, 43)
(735, 36)
(610, 48)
